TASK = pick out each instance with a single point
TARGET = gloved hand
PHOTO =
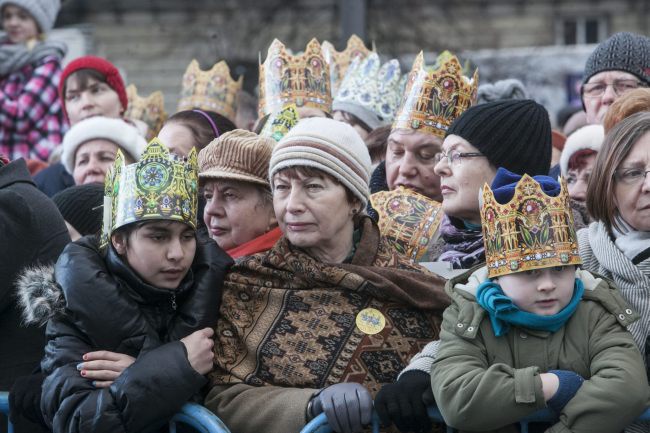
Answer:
(405, 402)
(570, 383)
(25, 399)
(348, 406)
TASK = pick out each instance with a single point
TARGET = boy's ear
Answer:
(119, 243)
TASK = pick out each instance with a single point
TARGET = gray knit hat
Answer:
(43, 11)
(627, 52)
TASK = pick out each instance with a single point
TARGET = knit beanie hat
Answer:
(627, 52)
(43, 11)
(239, 155)
(81, 207)
(588, 137)
(513, 134)
(328, 145)
(118, 131)
(106, 68)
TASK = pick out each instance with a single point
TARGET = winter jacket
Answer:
(99, 303)
(53, 179)
(483, 383)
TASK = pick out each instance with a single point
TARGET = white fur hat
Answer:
(588, 137)
(118, 131)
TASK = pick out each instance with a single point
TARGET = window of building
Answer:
(583, 30)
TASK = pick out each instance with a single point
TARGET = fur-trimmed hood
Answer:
(39, 296)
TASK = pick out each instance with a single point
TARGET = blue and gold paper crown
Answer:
(436, 96)
(532, 231)
(372, 86)
(161, 186)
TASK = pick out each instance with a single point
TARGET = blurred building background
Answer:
(543, 43)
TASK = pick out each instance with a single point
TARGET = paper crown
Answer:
(436, 96)
(374, 87)
(278, 124)
(303, 79)
(150, 110)
(407, 220)
(161, 186)
(212, 90)
(340, 61)
(532, 231)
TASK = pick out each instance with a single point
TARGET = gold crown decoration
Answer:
(149, 109)
(278, 124)
(532, 231)
(435, 96)
(407, 220)
(302, 79)
(161, 186)
(339, 62)
(211, 90)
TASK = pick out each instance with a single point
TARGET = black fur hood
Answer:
(39, 296)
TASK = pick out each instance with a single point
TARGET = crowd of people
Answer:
(366, 242)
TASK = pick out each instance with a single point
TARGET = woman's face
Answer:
(92, 160)
(236, 212)
(461, 181)
(632, 193)
(178, 138)
(19, 24)
(338, 115)
(578, 178)
(160, 252)
(97, 99)
(313, 212)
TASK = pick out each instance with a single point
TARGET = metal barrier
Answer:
(191, 414)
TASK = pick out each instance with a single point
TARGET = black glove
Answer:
(25, 399)
(347, 406)
(405, 402)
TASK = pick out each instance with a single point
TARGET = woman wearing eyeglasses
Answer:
(616, 66)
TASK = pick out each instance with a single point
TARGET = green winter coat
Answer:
(484, 383)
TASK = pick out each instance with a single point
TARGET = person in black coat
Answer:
(31, 231)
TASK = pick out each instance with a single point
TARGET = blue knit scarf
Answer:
(503, 312)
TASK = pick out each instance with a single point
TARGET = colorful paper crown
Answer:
(161, 186)
(150, 110)
(407, 220)
(340, 61)
(372, 86)
(436, 96)
(212, 90)
(532, 231)
(303, 79)
(278, 124)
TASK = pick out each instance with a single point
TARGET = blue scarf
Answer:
(503, 312)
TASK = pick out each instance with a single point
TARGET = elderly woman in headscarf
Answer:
(326, 316)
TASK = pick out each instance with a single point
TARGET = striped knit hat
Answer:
(328, 145)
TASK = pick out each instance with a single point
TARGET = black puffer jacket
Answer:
(99, 303)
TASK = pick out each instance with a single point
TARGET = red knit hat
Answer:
(113, 78)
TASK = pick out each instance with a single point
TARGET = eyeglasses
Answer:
(631, 176)
(455, 157)
(594, 90)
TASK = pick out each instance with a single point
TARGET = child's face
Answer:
(541, 291)
(160, 252)
(19, 24)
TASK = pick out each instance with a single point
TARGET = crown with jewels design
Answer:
(532, 231)
(435, 96)
(339, 62)
(373, 86)
(161, 186)
(302, 79)
(407, 220)
(212, 90)
(150, 110)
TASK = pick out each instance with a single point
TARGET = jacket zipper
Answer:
(173, 302)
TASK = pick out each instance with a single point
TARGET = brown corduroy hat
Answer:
(238, 155)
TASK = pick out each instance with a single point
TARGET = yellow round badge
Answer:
(370, 321)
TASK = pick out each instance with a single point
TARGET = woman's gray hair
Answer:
(510, 88)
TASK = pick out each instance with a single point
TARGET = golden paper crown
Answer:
(159, 186)
(532, 231)
(407, 220)
(340, 61)
(436, 96)
(278, 124)
(302, 79)
(150, 110)
(212, 90)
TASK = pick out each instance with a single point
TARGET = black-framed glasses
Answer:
(631, 176)
(594, 90)
(454, 157)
